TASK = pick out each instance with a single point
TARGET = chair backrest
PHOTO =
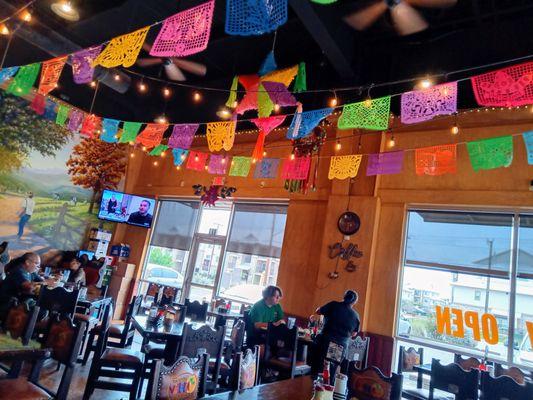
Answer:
(357, 351)
(64, 339)
(281, 340)
(104, 332)
(407, 359)
(196, 311)
(245, 308)
(515, 373)
(168, 295)
(453, 379)
(58, 300)
(237, 335)
(466, 363)
(504, 388)
(204, 337)
(246, 369)
(20, 321)
(183, 380)
(371, 384)
(219, 303)
(133, 310)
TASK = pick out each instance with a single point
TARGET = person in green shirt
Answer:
(265, 311)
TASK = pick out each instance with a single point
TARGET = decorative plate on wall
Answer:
(349, 223)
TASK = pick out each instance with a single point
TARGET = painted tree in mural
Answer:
(23, 131)
(97, 165)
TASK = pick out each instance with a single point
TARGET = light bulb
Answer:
(93, 84)
(162, 119)
(132, 142)
(156, 163)
(132, 154)
(197, 97)
(223, 161)
(206, 167)
(455, 129)
(254, 160)
(264, 153)
(166, 92)
(235, 104)
(142, 87)
(117, 77)
(66, 7)
(25, 16)
(178, 167)
(4, 29)
(425, 84)
(368, 102)
(277, 107)
(293, 156)
(144, 148)
(333, 102)
(163, 154)
(392, 142)
(182, 157)
(338, 146)
(196, 158)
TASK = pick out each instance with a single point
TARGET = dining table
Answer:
(300, 388)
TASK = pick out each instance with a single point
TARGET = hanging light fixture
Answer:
(65, 10)
(224, 113)
(197, 97)
(142, 87)
(4, 30)
(338, 145)
(25, 16)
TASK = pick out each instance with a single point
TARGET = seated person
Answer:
(21, 272)
(77, 274)
(264, 311)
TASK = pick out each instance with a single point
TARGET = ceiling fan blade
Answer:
(148, 62)
(190, 66)
(147, 47)
(174, 73)
(432, 3)
(407, 20)
(362, 19)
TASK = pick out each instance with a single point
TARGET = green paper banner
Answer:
(24, 80)
(491, 153)
(157, 150)
(369, 114)
(264, 103)
(233, 92)
(62, 114)
(300, 84)
(130, 131)
(240, 166)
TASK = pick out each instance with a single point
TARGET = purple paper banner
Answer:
(423, 105)
(182, 136)
(75, 120)
(217, 164)
(279, 94)
(82, 68)
(385, 163)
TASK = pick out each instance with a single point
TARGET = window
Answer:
(461, 281)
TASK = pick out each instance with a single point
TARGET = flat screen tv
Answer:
(127, 208)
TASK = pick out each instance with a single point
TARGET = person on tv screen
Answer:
(141, 217)
(112, 205)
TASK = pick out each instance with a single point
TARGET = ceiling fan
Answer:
(406, 19)
(173, 66)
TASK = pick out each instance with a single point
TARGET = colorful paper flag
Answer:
(109, 130)
(423, 105)
(284, 76)
(528, 141)
(158, 150)
(297, 169)
(251, 17)
(342, 167)
(240, 166)
(152, 135)
(75, 120)
(232, 98)
(197, 160)
(368, 114)
(264, 104)
(182, 136)
(179, 156)
(130, 131)
(91, 124)
(7, 73)
(221, 135)
(385, 163)
(185, 33)
(267, 168)
(491, 153)
(62, 115)
(122, 50)
(50, 110)
(50, 73)
(300, 84)
(279, 94)
(82, 64)
(269, 64)
(436, 160)
(218, 164)
(303, 123)
(265, 125)
(38, 103)
(24, 79)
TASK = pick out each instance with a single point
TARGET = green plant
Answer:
(160, 256)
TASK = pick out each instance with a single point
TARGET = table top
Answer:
(92, 300)
(424, 368)
(291, 389)
(160, 331)
(229, 315)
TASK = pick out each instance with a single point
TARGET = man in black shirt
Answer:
(341, 322)
(141, 217)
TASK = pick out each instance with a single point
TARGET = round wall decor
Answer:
(349, 223)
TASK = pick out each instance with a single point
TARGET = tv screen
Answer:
(127, 208)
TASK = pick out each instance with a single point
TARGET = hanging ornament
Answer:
(62, 114)
(209, 196)
(436, 160)
(50, 73)
(7, 73)
(269, 64)
(369, 114)
(152, 135)
(179, 156)
(24, 80)
(423, 105)
(82, 64)
(182, 136)
(265, 125)
(38, 103)
(122, 50)
(250, 17)
(233, 92)
(343, 167)
(300, 84)
(385, 163)
(267, 168)
(221, 135)
(240, 166)
(491, 153)
(91, 124)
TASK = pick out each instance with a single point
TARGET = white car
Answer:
(163, 276)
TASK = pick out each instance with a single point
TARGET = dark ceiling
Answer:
(473, 32)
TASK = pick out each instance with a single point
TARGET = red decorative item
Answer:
(211, 194)
(297, 168)
(38, 103)
(90, 124)
(507, 87)
(265, 125)
(197, 160)
(152, 135)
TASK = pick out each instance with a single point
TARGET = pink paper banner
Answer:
(38, 103)
(385, 163)
(197, 160)
(217, 164)
(182, 136)
(423, 105)
(297, 168)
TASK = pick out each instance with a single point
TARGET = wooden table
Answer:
(290, 389)
(221, 317)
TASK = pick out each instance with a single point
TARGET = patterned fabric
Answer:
(423, 105)
(279, 94)
(185, 33)
(233, 92)
(152, 135)
(240, 166)
(75, 120)
(179, 156)
(284, 76)
(436, 160)
(269, 64)
(24, 80)
(82, 64)
(265, 126)
(178, 382)
(342, 167)
(50, 110)
(252, 17)
(507, 87)
(267, 168)
(303, 123)
(158, 150)
(90, 125)
(38, 103)
(109, 130)
(122, 50)
(62, 115)
(264, 104)
(491, 153)
(182, 136)
(217, 164)
(300, 84)
(385, 163)
(197, 160)
(130, 131)
(221, 135)
(368, 114)
(50, 74)
(7, 73)
(528, 141)
(296, 169)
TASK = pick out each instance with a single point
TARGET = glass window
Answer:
(215, 219)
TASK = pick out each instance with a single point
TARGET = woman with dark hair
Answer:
(341, 322)
(77, 274)
(265, 311)
(4, 257)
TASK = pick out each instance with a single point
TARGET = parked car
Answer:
(163, 276)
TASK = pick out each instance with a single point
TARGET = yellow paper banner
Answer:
(284, 76)
(122, 50)
(342, 167)
(221, 135)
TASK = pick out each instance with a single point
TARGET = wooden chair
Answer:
(466, 363)
(453, 379)
(245, 369)
(183, 380)
(168, 295)
(371, 384)
(357, 351)
(209, 340)
(121, 330)
(515, 373)
(113, 363)
(64, 339)
(231, 347)
(281, 350)
(19, 323)
(504, 388)
(196, 311)
(407, 360)
(58, 301)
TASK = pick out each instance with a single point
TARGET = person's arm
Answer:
(281, 315)
(320, 311)
(22, 210)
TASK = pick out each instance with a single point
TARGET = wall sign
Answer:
(345, 253)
